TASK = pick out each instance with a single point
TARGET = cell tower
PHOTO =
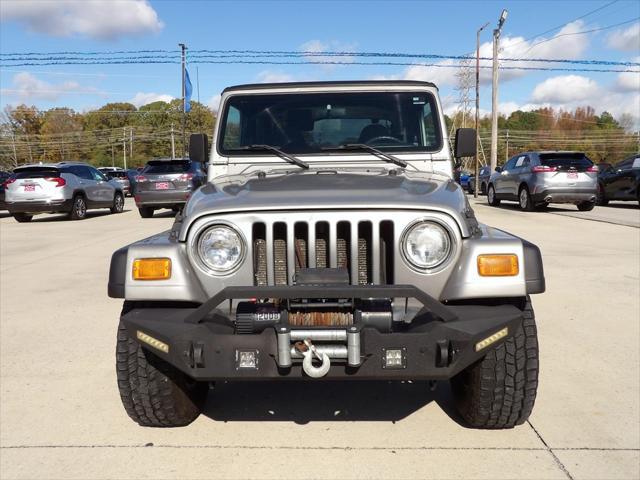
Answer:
(463, 116)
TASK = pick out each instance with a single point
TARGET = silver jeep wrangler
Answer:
(330, 242)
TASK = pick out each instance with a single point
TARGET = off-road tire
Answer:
(601, 199)
(78, 208)
(499, 391)
(118, 203)
(154, 393)
(22, 217)
(586, 206)
(525, 201)
(491, 197)
(146, 212)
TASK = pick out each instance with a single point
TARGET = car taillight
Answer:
(141, 178)
(543, 169)
(8, 182)
(60, 182)
(185, 177)
(593, 169)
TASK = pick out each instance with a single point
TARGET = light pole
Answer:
(494, 92)
(475, 189)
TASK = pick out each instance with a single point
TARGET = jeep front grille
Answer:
(365, 248)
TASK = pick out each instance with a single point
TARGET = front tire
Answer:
(22, 217)
(79, 208)
(154, 393)
(491, 197)
(499, 391)
(146, 212)
(118, 203)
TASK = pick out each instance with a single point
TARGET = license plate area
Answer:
(572, 175)
(162, 186)
(29, 188)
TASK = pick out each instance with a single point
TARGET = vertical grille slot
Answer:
(343, 243)
(280, 253)
(301, 233)
(386, 252)
(364, 253)
(322, 244)
(259, 243)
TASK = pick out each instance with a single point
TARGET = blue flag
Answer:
(188, 89)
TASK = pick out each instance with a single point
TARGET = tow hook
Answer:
(308, 351)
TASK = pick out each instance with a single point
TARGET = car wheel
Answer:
(525, 200)
(118, 203)
(22, 217)
(153, 392)
(491, 197)
(586, 206)
(79, 208)
(499, 391)
(600, 196)
(146, 212)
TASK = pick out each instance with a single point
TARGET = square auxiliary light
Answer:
(394, 358)
(247, 359)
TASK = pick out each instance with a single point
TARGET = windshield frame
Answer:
(420, 150)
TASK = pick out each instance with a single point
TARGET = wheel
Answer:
(118, 203)
(78, 208)
(146, 212)
(601, 199)
(525, 200)
(586, 206)
(491, 197)
(154, 393)
(22, 217)
(499, 391)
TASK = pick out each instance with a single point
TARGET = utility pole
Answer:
(494, 92)
(198, 82)
(131, 143)
(124, 146)
(506, 150)
(113, 155)
(173, 144)
(15, 154)
(477, 159)
(184, 96)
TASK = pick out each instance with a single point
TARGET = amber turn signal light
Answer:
(151, 268)
(498, 265)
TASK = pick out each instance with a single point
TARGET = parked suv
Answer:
(4, 176)
(536, 179)
(167, 184)
(60, 188)
(485, 174)
(120, 176)
(620, 181)
(330, 242)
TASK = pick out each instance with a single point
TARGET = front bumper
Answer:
(56, 206)
(161, 198)
(564, 195)
(440, 342)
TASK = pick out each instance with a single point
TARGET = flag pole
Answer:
(184, 98)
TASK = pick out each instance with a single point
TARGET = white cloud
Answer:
(628, 81)
(99, 19)
(272, 76)
(27, 88)
(627, 39)
(214, 102)
(144, 98)
(565, 89)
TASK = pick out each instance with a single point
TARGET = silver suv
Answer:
(60, 188)
(536, 179)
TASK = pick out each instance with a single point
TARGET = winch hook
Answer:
(308, 351)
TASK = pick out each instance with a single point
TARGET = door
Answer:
(87, 183)
(503, 182)
(105, 190)
(520, 174)
(620, 184)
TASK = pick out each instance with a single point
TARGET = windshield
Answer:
(565, 161)
(312, 123)
(172, 166)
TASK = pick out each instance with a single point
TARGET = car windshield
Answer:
(167, 166)
(565, 161)
(312, 123)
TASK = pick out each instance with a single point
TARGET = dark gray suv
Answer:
(536, 179)
(167, 184)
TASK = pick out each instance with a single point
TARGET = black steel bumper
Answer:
(40, 207)
(440, 342)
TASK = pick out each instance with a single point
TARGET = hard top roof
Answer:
(344, 83)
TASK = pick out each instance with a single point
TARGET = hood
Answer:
(324, 190)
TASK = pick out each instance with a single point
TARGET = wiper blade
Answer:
(280, 153)
(363, 146)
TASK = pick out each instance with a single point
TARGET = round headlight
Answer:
(426, 245)
(220, 248)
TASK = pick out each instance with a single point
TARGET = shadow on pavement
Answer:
(62, 217)
(309, 401)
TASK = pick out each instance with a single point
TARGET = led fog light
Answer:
(246, 359)
(394, 358)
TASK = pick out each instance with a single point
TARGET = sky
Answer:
(533, 29)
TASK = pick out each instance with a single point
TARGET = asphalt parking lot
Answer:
(61, 416)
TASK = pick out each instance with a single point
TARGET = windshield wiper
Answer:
(280, 153)
(363, 146)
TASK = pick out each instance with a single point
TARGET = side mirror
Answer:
(465, 144)
(498, 169)
(199, 148)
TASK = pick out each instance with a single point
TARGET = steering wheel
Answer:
(382, 137)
